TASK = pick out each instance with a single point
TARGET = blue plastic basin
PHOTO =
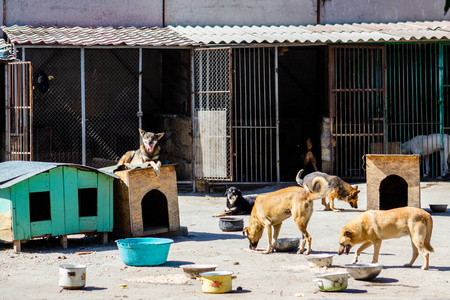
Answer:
(144, 251)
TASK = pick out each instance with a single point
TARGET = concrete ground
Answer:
(34, 272)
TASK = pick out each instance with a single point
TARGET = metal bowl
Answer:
(438, 207)
(287, 244)
(231, 224)
(320, 260)
(193, 271)
(364, 271)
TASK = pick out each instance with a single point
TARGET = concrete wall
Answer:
(83, 12)
(240, 12)
(381, 11)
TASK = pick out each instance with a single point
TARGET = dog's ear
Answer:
(245, 231)
(160, 135)
(348, 233)
(141, 132)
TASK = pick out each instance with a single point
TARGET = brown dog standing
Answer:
(373, 226)
(270, 210)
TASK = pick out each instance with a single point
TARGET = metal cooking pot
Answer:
(216, 282)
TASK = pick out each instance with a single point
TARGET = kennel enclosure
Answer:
(146, 204)
(53, 199)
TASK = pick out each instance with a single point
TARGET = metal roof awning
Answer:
(95, 36)
(318, 34)
(12, 172)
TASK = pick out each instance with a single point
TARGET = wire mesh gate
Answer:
(19, 111)
(108, 127)
(212, 113)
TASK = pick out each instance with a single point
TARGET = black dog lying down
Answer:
(237, 204)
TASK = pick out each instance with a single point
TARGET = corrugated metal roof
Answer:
(12, 172)
(214, 35)
(5, 51)
(95, 36)
(314, 34)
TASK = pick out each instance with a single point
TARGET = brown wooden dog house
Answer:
(145, 203)
(392, 181)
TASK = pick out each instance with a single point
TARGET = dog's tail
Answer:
(309, 144)
(429, 226)
(298, 179)
(323, 187)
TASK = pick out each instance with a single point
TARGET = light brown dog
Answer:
(337, 188)
(270, 210)
(373, 226)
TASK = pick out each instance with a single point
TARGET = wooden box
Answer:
(392, 181)
(145, 203)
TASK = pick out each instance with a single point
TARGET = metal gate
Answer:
(88, 112)
(19, 111)
(416, 81)
(255, 115)
(212, 113)
(357, 107)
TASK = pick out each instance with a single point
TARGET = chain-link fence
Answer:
(111, 104)
(212, 116)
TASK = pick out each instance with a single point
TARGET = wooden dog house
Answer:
(53, 199)
(392, 181)
(145, 203)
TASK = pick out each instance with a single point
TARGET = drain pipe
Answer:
(318, 11)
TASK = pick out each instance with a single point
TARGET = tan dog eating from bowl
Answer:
(270, 210)
(374, 226)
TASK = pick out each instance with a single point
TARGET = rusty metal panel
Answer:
(19, 112)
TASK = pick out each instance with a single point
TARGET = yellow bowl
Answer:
(216, 282)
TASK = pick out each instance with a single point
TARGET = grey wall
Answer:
(83, 12)
(240, 12)
(381, 11)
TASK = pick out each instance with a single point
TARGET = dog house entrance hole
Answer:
(393, 192)
(155, 212)
(87, 202)
(40, 206)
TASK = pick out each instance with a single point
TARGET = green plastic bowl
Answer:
(144, 251)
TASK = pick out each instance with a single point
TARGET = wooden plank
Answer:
(41, 228)
(87, 179)
(88, 224)
(21, 216)
(71, 209)
(57, 201)
(111, 204)
(39, 183)
(6, 232)
(102, 203)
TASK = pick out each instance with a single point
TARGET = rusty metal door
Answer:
(212, 114)
(19, 111)
(357, 100)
